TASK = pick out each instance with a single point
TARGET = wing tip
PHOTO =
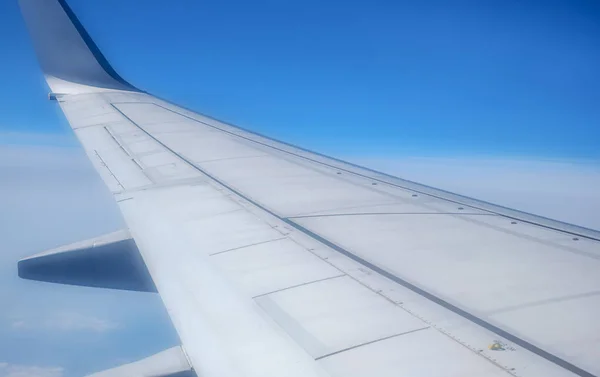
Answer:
(64, 48)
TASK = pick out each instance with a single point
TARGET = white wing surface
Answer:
(276, 261)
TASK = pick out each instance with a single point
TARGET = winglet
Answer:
(65, 50)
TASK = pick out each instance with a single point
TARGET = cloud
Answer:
(65, 321)
(43, 189)
(559, 189)
(79, 322)
(51, 196)
(19, 325)
(38, 139)
(15, 370)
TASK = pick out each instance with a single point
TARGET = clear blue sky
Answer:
(388, 77)
(369, 79)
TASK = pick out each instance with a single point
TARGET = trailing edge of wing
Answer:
(64, 49)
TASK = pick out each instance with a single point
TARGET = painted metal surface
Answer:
(64, 49)
(272, 260)
(477, 260)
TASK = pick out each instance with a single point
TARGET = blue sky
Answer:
(494, 99)
(437, 77)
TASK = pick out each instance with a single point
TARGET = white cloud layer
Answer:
(50, 196)
(15, 370)
(65, 321)
(561, 190)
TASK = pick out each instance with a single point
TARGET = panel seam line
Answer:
(299, 285)
(389, 213)
(245, 246)
(371, 342)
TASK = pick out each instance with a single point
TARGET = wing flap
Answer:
(331, 315)
(270, 266)
(424, 353)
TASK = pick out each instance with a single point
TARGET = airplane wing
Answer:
(273, 260)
